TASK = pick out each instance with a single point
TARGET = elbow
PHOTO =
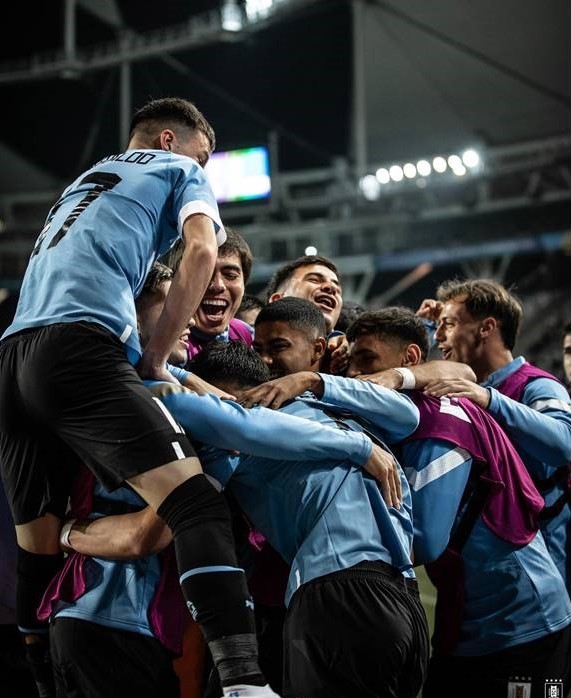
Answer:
(467, 373)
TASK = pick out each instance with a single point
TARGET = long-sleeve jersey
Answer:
(513, 593)
(539, 424)
(120, 594)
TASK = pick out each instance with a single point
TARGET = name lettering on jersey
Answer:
(446, 407)
(137, 157)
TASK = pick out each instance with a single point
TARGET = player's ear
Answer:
(319, 347)
(412, 355)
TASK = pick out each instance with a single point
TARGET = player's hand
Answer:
(148, 369)
(459, 387)
(430, 309)
(338, 349)
(274, 393)
(383, 467)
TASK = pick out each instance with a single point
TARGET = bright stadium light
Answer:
(311, 250)
(439, 164)
(459, 170)
(231, 16)
(455, 162)
(471, 158)
(383, 176)
(396, 173)
(370, 187)
(423, 168)
(409, 170)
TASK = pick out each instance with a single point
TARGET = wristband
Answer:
(408, 379)
(64, 534)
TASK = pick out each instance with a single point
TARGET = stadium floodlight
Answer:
(471, 158)
(396, 173)
(459, 170)
(455, 162)
(423, 168)
(311, 250)
(409, 170)
(231, 16)
(370, 187)
(383, 176)
(439, 164)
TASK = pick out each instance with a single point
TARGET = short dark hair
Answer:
(396, 324)
(486, 298)
(250, 302)
(299, 313)
(155, 279)
(350, 311)
(566, 329)
(223, 362)
(285, 272)
(175, 111)
(236, 245)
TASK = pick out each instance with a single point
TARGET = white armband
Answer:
(64, 534)
(408, 379)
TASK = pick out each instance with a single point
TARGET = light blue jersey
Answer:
(514, 594)
(539, 426)
(119, 593)
(322, 516)
(102, 237)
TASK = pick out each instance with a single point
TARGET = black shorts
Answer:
(69, 395)
(101, 662)
(359, 632)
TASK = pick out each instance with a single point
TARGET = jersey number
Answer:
(103, 181)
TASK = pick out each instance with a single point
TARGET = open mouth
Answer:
(446, 352)
(214, 308)
(326, 302)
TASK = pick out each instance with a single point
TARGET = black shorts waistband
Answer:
(371, 569)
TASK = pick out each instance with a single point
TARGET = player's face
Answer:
(319, 285)
(223, 296)
(458, 333)
(148, 316)
(196, 146)
(284, 349)
(371, 354)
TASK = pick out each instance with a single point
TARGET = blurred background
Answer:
(409, 141)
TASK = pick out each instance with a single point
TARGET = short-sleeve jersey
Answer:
(102, 236)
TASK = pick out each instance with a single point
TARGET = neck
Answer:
(490, 363)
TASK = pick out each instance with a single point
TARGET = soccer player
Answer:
(69, 391)
(478, 324)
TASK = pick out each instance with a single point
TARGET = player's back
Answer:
(102, 236)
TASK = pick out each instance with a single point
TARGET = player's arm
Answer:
(393, 413)
(423, 374)
(261, 432)
(188, 286)
(117, 537)
(541, 426)
(437, 474)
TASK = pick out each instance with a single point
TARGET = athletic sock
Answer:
(34, 573)
(213, 585)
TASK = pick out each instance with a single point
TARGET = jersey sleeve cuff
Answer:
(194, 207)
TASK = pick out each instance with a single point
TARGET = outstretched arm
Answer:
(424, 374)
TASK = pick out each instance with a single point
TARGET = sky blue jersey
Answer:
(514, 594)
(102, 236)
(322, 516)
(540, 429)
(119, 592)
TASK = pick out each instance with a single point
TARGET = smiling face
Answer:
(318, 284)
(459, 334)
(223, 296)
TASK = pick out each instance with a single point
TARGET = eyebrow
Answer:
(323, 277)
(232, 266)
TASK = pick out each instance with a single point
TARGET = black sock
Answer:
(213, 585)
(34, 573)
